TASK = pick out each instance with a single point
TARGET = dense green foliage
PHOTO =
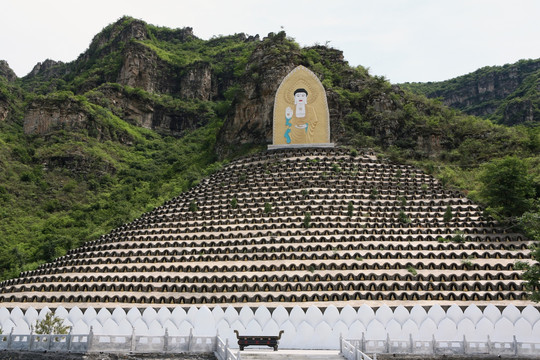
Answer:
(46, 211)
(507, 186)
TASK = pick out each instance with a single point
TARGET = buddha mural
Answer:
(300, 110)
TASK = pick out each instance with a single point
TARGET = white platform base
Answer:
(300, 146)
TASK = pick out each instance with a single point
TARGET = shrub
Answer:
(336, 168)
(458, 237)
(448, 214)
(403, 217)
(531, 274)
(51, 324)
(307, 219)
(193, 206)
(350, 209)
(267, 208)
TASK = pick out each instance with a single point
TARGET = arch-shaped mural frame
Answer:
(290, 128)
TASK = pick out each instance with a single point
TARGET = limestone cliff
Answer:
(6, 72)
(48, 69)
(508, 94)
(250, 121)
(4, 110)
(7, 81)
(125, 53)
(198, 82)
(42, 116)
(142, 68)
(146, 112)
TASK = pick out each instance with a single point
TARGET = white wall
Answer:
(310, 328)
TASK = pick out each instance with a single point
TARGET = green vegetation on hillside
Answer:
(48, 207)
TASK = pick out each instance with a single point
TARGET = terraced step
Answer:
(376, 231)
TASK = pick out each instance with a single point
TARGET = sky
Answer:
(402, 40)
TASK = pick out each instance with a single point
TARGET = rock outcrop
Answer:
(44, 115)
(79, 163)
(48, 69)
(145, 112)
(519, 111)
(7, 72)
(7, 78)
(142, 68)
(4, 110)
(250, 121)
(198, 82)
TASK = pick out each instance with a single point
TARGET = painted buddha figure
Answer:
(301, 115)
(302, 121)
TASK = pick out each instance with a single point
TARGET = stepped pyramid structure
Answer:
(308, 226)
(303, 223)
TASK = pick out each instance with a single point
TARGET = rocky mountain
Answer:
(6, 72)
(508, 94)
(147, 111)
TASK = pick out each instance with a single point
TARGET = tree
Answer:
(193, 206)
(448, 214)
(307, 219)
(530, 223)
(507, 187)
(531, 273)
(51, 324)
(350, 209)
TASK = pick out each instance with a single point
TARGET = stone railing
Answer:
(356, 349)
(223, 352)
(88, 343)
(352, 352)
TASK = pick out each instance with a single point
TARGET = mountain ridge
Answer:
(507, 94)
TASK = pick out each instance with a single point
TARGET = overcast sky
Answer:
(403, 40)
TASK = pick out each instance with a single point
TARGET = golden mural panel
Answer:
(301, 110)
